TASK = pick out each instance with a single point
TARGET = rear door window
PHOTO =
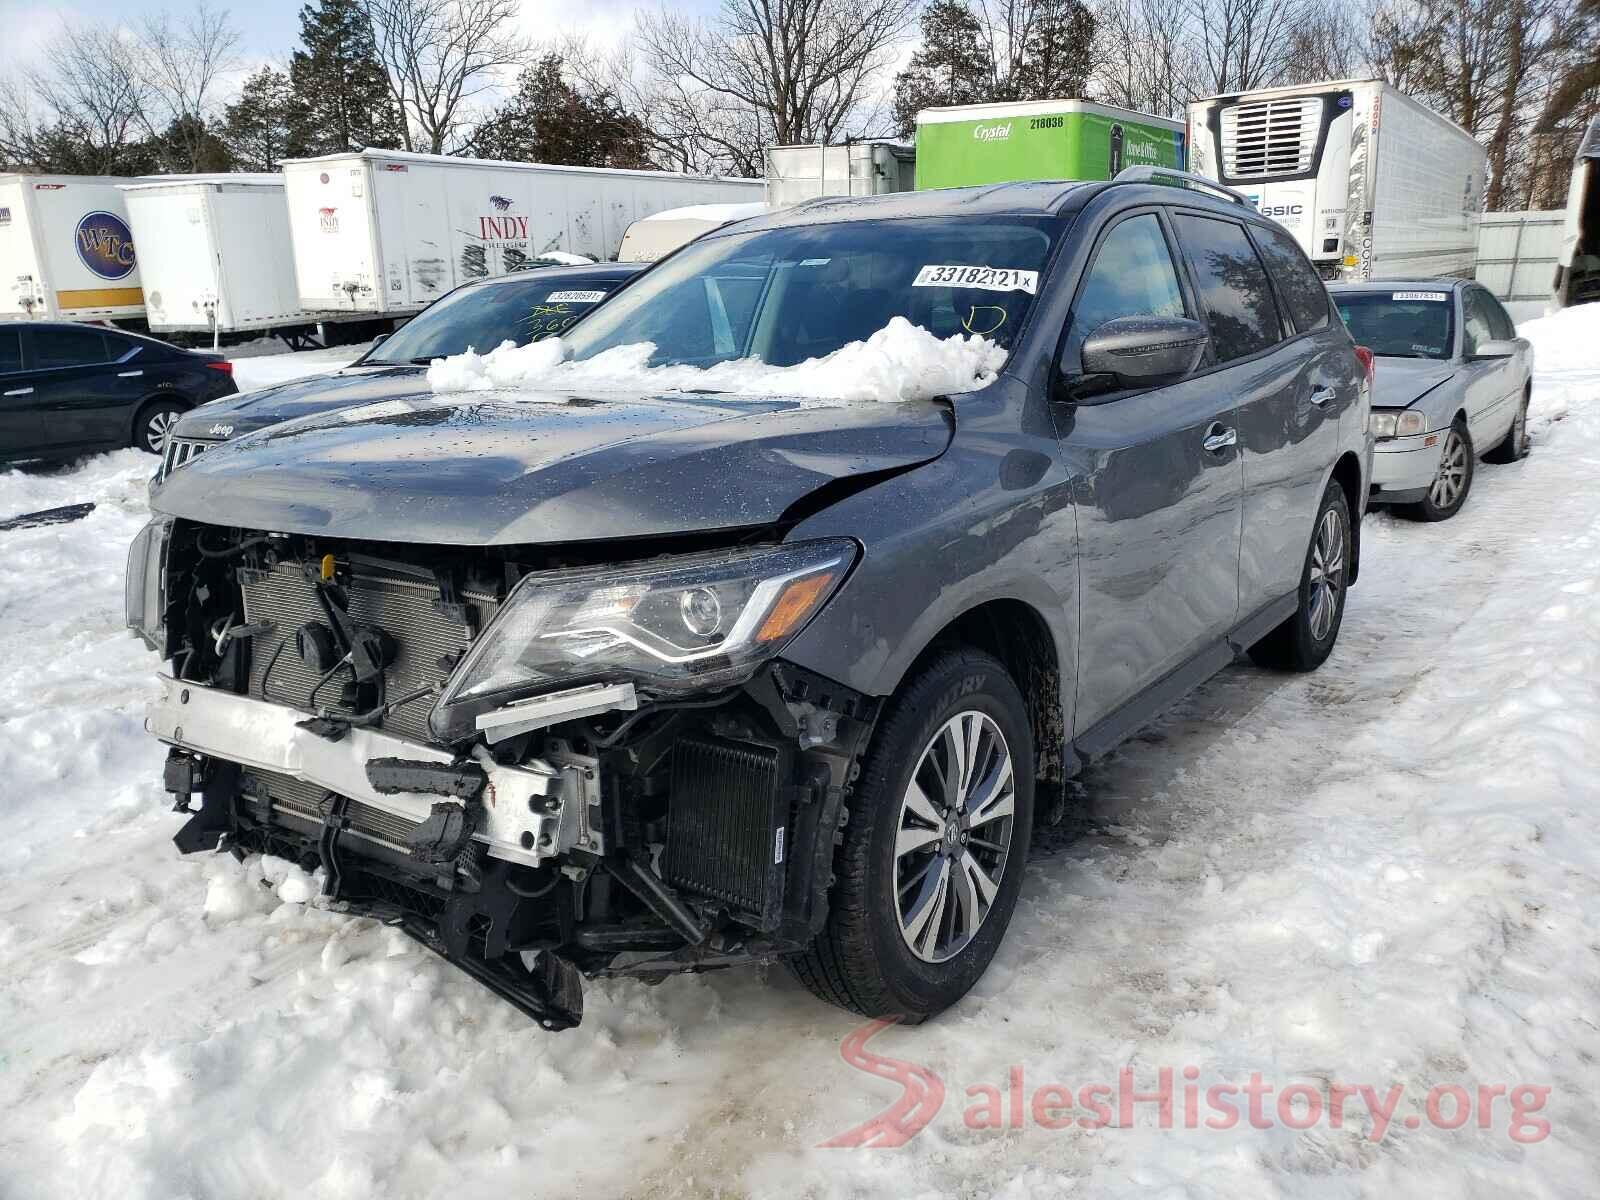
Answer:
(68, 348)
(10, 351)
(1132, 276)
(1299, 286)
(1499, 320)
(1476, 329)
(1233, 286)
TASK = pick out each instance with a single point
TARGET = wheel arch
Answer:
(1347, 474)
(1019, 636)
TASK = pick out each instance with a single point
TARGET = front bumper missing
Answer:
(525, 817)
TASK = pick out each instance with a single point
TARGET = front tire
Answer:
(154, 425)
(933, 851)
(1448, 491)
(1304, 641)
(1515, 446)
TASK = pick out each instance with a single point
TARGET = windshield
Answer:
(782, 296)
(482, 317)
(1409, 324)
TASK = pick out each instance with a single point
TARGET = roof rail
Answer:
(1152, 174)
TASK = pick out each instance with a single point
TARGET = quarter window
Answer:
(68, 347)
(1299, 285)
(1132, 276)
(1233, 286)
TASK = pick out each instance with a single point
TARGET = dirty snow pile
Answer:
(1385, 873)
(901, 361)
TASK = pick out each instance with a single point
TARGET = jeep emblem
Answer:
(220, 430)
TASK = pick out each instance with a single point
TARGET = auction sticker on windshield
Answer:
(990, 279)
(1441, 297)
(574, 297)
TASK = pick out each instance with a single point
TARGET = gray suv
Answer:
(634, 681)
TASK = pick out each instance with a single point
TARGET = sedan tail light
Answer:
(220, 364)
(1368, 363)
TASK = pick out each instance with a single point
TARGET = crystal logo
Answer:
(992, 133)
(105, 245)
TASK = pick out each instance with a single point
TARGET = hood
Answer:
(1399, 382)
(249, 411)
(489, 468)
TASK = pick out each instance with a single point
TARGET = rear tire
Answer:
(154, 424)
(1304, 641)
(890, 948)
(1515, 446)
(1448, 492)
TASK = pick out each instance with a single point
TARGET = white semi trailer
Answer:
(1577, 278)
(1373, 184)
(214, 252)
(66, 251)
(383, 232)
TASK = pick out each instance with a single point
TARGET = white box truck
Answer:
(1373, 184)
(384, 232)
(869, 167)
(1577, 275)
(66, 251)
(215, 254)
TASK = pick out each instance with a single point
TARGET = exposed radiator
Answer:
(726, 823)
(1271, 137)
(405, 608)
(297, 798)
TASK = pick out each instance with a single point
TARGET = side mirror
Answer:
(379, 340)
(1144, 351)
(1498, 349)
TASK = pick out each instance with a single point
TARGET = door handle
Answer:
(20, 392)
(1322, 395)
(129, 374)
(1220, 437)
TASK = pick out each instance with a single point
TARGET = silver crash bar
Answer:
(259, 734)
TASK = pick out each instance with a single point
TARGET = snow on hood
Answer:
(900, 362)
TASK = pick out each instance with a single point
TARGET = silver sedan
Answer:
(1452, 386)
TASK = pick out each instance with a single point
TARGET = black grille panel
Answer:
(179, 451)
(726, 825)
(403, 607)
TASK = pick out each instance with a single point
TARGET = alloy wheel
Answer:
(159, 427)
(953, 837)
(1327, 573)
(1452, 477)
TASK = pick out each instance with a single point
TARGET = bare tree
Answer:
(1244, 44)
(181, 63)
(1328, 42)
(440, 55)
(772, 71)
(81, 109)
(1146, 55)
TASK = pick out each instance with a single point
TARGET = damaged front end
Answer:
(542, 766)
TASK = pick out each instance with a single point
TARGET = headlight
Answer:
(1398, 422)
(144, 589)
(678, 624)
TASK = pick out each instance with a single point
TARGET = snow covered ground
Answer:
(252, 371)
(1384, 874)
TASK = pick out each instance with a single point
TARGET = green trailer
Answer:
(1040, 139)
